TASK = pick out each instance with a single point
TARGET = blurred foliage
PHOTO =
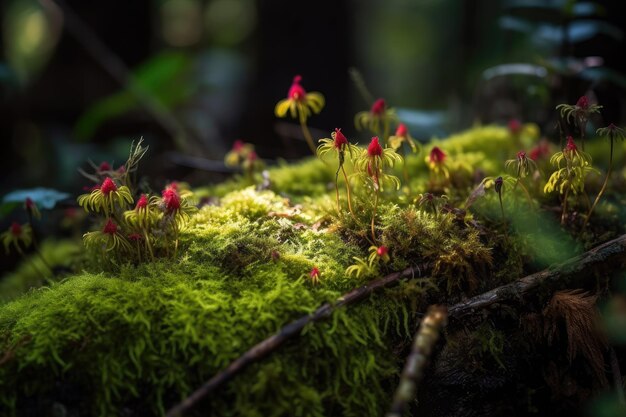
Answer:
(31, 30)
(165, 77)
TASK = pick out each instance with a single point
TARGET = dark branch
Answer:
(604, 258)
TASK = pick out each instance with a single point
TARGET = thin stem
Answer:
(345, 176)
(564, 214)
(337, 189)
(528, 197)
(606, 181)
(307, 135)
(501, 205)
(374, 214)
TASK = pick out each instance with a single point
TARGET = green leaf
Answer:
(163, 78)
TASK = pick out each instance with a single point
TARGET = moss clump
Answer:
(139, 338)
(33, 273)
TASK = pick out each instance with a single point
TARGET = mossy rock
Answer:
(136, 339)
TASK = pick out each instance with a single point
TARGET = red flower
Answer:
(437, 156)
(378, 108)
(315, 275)
(104, 166)
(515, 126)
(402, 130)
(16, 229)
(521, 155)
(374, 149)
(142, 202)
(238, 146)
(571, 145)
(29, 204)
(382, 251)
(110, 228)
(171, 199)
(541, 150)
(107, 186)
(583, 103)
(296, 91)
(340, 139)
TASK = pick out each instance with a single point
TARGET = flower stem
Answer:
(345, 176)
(307, 135)
(374, 214)
(564, 214)
(337, 190)
(606, 181)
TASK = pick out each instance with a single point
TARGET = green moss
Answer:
(33, 273)
(143, 336)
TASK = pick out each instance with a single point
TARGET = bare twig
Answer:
(423, 344)
(606, 257)
(267, 346)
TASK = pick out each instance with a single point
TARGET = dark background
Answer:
(80, 79)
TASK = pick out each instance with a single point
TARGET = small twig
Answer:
(423, 344)
(609, 256)
(269, 345)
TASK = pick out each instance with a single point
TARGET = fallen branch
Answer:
(267, 346)
(603, 259)
(423, 344)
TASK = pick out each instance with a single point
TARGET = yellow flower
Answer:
(299, 103)
(105, 197)
(15, 235)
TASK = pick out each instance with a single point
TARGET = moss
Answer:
(138, 339)
(33, 273)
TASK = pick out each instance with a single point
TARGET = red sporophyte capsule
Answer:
(134, 237)
(315, 273)
(514, 126)
(171, 199)
(521, 155)
(238, 146)
(296, 91)
(382, 251)
(571, 145)
(542, 149)
(104, 166)
(401, 130)
(16, 229)
(142, 202)
(374, 149)
(110, 228)
(437, 156)
(378, 107)
(107, 186)
(583, 102)
(340, 139)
